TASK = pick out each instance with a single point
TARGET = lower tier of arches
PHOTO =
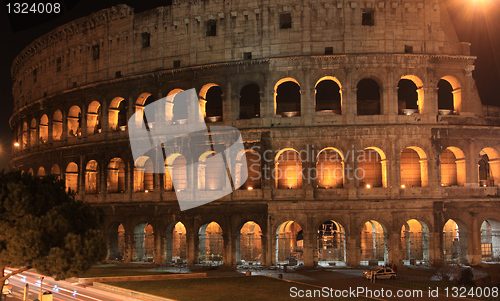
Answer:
(309, 233)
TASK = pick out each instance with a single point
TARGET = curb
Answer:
(90, 281)
(131, 292)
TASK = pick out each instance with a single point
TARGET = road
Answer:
(61, 290)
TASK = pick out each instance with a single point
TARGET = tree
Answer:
(43, 227)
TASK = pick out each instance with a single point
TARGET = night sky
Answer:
(476, 21)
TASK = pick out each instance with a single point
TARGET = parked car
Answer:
(380, 273)
(7, 288)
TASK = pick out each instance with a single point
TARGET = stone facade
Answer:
(75, 87)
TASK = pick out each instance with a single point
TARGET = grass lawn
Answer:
(115, 271)
(221, 289)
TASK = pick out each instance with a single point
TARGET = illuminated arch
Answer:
(328, 95)
(453, 167)
(211, 244)
(33, 135)
(489, 167)
(373, 244)
(449, 97)
(92, 177)
(43, 127)
(415, 242)
(288, 169)
(331, 244)
(330, 168)
(143, 174)
(211, 172)
(175, 243)
(176, 176)
(289, 242)
(373, 162)
(41, 172)
(490, 240)
(71, 176)
(404, 91)
(249, 243)
(57, 125)
(252, 164)
(74, 121)
(288, 105)
(25, 135)
(414, 167)
(454, 242)
(117, 114)
(94, 118)
(116, 176)
(116, 241)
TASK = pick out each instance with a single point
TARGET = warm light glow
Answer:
(403, 186)
(368, 186)
(146, 191)
(16, 144)
(250, 188)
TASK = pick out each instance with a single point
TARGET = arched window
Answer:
(449, 96)
(287, 98)
(452, 167)
(328, 96)
(71, 176)
(252, 167)
(94, 118)
(117, 115)
(413, 168)
(372, 168)
(55, 171)
(92, 177)
(44, 129)
(373, 243)
(41, 172)
(116, 175)
(289, 242)
(57, 125)
(288, 170)
(176, 173)
(211, 244)
(33, 135)
(143, 174)
(180, 108)
(489, 167)
(368, 97)
(408, 99)
(213, 106)
(250, 101)
(330, 167)
(211, 173)
(74, 121)
(25, 135)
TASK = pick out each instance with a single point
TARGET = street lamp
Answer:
(41, 292)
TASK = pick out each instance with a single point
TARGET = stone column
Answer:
(192, 244)
(159, 238)
(474, 240)
(309, 242)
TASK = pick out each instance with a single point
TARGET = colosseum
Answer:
(365, 138)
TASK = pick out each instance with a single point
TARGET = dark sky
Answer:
(476, 21)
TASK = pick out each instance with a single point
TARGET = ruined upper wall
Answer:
(110, 43)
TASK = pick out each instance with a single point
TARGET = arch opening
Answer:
(33, 134)
(57, 125)
(328, 95)
(213, 105)
(71, 176)
(331, 244)
(176, 173)
(176, 243)
(44, 129)
(253, 170)
(454, 242)
(117, 114)
(116, 242)
(413, 168)
(415, 243)
(144, 242)
(373, 244)
(74, 121)
(368, 97)
(288, 170)
(116, 176)
(452, 167)
(373, 169)
(92, 177)
(287, 98)
(211, 172)
(330, 168)
(409, 97)
(143, 175)
(490, 241)
(289, 243)
(211, 244)
(249, 244)
(94, 118)
(56, 171)
(449, 96)
(250, 102)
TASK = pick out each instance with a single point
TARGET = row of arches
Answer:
(331, 171)
(328, 96)
(330, 243)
